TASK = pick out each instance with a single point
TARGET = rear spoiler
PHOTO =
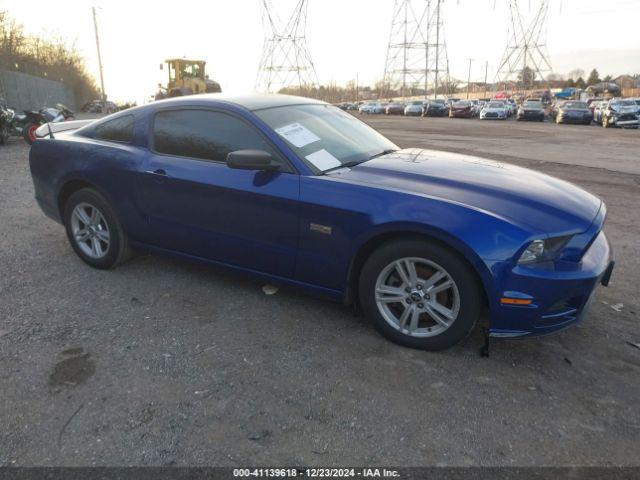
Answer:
(48, 130)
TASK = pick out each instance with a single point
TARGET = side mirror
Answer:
(252, 160)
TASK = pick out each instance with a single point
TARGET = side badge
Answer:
(324, 229)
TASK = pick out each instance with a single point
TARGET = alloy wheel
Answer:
(90, 230)
(417, 297)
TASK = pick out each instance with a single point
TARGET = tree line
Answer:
(52, 59)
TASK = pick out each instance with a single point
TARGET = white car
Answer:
(372, 108)
(494, 110)
(414, 108)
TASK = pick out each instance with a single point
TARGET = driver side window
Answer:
(205, 134)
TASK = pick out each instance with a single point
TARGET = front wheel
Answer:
(29, 132)
(420, 294)
(94, 231)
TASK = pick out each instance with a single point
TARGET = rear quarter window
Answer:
(117, 130)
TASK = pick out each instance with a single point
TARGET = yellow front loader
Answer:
(187, 77)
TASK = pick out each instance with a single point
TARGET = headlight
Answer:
(541, 250)
(533, 253)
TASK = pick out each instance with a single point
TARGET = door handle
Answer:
(159, 172)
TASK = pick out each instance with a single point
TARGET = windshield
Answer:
(496, 105)
(416, 103)
(325, 137)
(533, 105)
(575, 105)
(624, 103)
(462, 104)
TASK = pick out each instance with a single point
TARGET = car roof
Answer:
(250, 102)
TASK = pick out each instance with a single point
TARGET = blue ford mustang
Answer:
(295, 191)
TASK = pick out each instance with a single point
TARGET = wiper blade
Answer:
(354, 163)
(385, 152)
(344, 165)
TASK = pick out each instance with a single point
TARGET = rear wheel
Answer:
(94, 231)
(419, 294)
(29, 132)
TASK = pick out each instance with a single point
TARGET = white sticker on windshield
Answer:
(297, 135)
(323, 160)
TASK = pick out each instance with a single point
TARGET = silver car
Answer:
(414, 109)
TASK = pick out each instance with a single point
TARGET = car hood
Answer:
(493, 110)
(524, 197)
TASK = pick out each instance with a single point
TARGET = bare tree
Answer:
(53, 59)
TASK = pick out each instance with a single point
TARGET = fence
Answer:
(26, 92)
(631, 92)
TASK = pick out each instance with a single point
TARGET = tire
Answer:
(462, 300)
(113, 252)
(29, 132)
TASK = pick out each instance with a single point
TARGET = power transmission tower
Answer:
(417, 53)
(285, 61)
(525, 59)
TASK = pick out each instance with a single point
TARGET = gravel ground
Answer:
(162, 362)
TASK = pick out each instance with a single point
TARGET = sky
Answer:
(346, 38)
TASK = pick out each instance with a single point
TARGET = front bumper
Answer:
(493, 116)
(531, 116)
(437, 113)
(561, 293)
(580, 119)
(625, 121)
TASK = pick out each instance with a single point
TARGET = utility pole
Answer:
(469, 78)
(435, 92)
(357, 88)
(95, 28)
(486, 71)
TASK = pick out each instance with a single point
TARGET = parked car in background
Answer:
(436, 107)
(573, 111)
(598, 107)
(461, 109)
(297, 192)
(620, 113)
(414, 109)
(531, 110)
(97, 106)
(372, 108)
(395, 109)
(553, 111)
(494, 110)
(476, 107)
(512, 106)
(6, 116)
(592, 102)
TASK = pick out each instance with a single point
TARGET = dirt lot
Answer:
(165, 363)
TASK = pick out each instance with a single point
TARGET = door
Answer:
(197, 205)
